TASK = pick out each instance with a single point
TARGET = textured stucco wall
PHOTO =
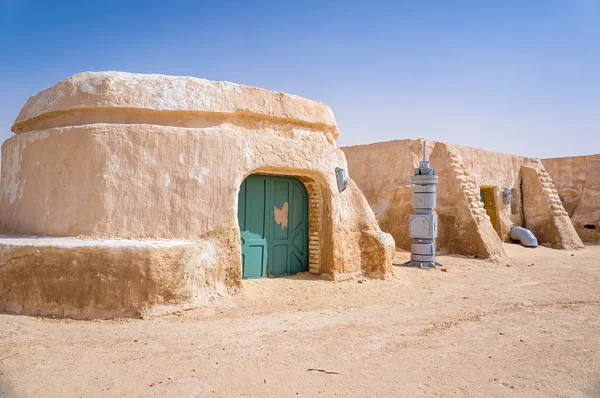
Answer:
(498, 170)
(82, 279)
(142, 181)
(577, 180)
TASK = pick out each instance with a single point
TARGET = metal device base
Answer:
(423, 264)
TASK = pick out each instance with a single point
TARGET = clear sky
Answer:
(520, 76)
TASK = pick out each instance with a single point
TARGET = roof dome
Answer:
(91, 97)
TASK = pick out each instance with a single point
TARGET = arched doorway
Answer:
(273, 220)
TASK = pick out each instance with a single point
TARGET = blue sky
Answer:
(520, 77)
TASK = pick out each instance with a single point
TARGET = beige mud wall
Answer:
(380, 171)
(87, 278)
(468, 227)
(117, 155)
(383, 172)
(577, 180)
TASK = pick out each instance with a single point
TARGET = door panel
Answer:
(280, 227)
(281, 204)
(298, 228)
(297, 211)
(278, 265)
(252, 213)
(273, 219)
(489, 204)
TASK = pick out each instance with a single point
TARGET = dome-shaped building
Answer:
(127, 194)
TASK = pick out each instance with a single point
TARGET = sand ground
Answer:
(479, 329)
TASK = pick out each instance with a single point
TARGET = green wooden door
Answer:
(273, 219)
(252, 212)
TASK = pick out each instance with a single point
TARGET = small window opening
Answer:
(589, 226)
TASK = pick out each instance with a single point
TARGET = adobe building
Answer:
(129, 195)
(481, 195)
(577, 180)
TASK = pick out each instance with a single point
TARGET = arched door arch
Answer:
(273, 221)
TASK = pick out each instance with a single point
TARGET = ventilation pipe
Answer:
(524, 236)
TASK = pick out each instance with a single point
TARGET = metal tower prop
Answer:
(423, 228)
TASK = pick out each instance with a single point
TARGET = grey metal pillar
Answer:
(423, 228)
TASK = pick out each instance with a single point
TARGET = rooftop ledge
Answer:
(122, 91)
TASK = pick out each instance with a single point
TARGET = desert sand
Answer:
(526, 327)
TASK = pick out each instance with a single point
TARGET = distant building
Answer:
(481, 195)
(577, 180)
